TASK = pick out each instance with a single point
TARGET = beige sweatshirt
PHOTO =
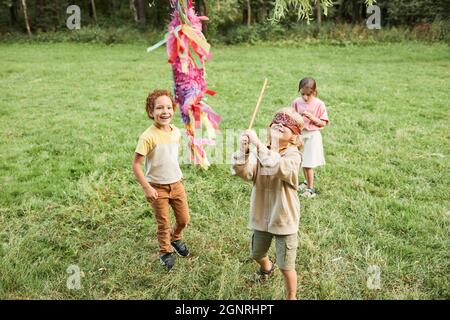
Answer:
(274, 203)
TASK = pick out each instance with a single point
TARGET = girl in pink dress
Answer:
(315, 117)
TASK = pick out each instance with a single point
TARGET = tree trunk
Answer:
(57, 14)
(133, 10)
(141, 11)
(40, 17)
(25, 16)
(355, 12)
(203, 11)
(341, 11)
(40, 8)
(263, 12)
(249, 13)
(110, 7)
(362, 12)
(13, 13)
(318, 12)
(94, 11)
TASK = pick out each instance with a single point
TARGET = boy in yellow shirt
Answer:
(162, 182)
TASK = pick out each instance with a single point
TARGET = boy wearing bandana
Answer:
(274, 203)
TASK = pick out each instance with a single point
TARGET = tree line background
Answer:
(230, 20)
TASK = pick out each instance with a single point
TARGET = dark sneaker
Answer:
(180, 247)
(167, 260)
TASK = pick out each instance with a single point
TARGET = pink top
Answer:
(317, 109)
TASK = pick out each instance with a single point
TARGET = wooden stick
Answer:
(257, 104)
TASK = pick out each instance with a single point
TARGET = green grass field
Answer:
(70, 116)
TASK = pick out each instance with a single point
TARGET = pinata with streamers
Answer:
(187, 51)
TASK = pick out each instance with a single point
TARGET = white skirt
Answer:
(313, 151)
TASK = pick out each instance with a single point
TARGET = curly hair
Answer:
(155, 94)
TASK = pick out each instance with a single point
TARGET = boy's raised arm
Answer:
(242, 164)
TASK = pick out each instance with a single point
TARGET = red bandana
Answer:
(287, 121)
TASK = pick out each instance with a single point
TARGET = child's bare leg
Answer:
(290, 283)
(265, 263)
(309, 175)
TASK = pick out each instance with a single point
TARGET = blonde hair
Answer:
(300, 123)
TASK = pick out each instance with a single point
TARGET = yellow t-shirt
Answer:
(160, 149)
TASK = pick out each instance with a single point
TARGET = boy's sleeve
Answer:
(285, 168)
(145, 145)
(243, 165)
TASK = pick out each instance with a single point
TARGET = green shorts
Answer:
(285, 248)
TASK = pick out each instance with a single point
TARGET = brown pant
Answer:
(174, 195)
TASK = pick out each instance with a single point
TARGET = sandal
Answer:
(309, 193)
(303, 186)
(264, 275)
